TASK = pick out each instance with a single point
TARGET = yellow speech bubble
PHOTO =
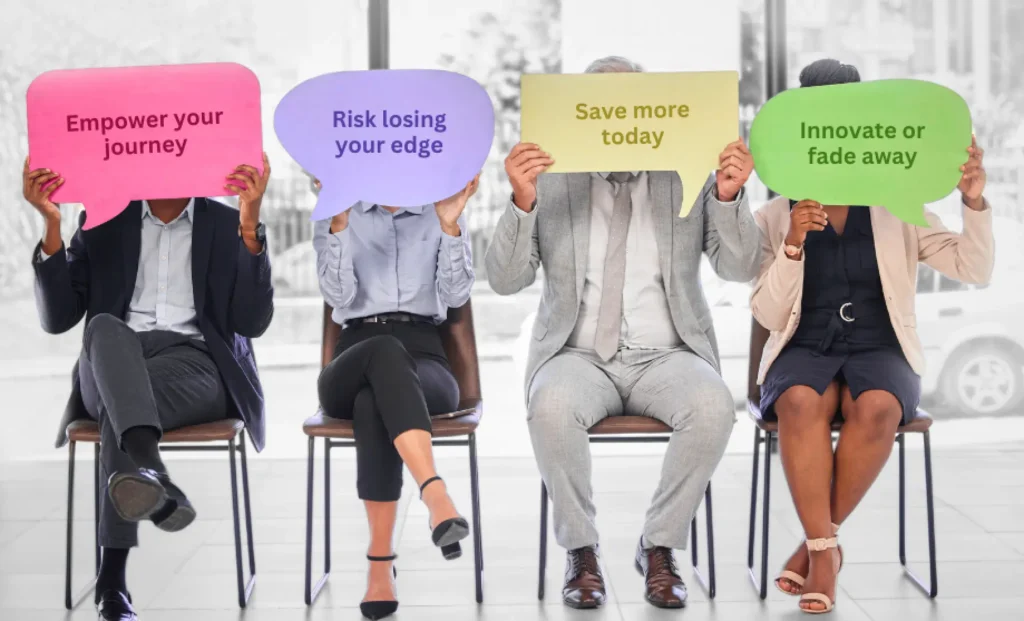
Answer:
(612, 122)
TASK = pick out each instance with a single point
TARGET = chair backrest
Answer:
(758, 337)
(457, 335)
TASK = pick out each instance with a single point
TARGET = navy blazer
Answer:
(234, 297)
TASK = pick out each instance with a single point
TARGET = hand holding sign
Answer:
(893, 143)
(636, 121)
(523, 165)
(972, 183)
(449, 209)
(734, 167)
(37, 186)
(122, 134)
(397, 137)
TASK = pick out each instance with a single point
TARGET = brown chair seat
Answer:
(222, 430)
(322, 426)
(921, 422)
(629, 425)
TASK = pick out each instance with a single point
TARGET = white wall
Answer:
(661, 35)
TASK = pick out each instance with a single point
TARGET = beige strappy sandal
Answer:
(820, 545)
(796, 578)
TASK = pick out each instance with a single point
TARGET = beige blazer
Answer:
(966, 256)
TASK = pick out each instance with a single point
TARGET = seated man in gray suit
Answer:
(623, 328)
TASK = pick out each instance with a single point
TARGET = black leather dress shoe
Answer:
(116, 606)
(150, 494)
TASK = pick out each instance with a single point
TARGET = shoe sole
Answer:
(450, 532)
(672, 606)
(179, 519)
(582, 606)
(135, 498)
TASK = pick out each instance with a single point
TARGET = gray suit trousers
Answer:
(158, 379)
(576, 389)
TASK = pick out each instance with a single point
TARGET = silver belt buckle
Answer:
(842, 313)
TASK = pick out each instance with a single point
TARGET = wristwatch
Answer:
(793, 251)
(260, 233)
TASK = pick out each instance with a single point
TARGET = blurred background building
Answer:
(971, 46)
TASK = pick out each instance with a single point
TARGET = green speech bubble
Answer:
(892, 143)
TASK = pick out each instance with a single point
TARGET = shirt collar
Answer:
(187, 213)
(417, 210)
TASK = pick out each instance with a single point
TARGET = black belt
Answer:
(390, 318)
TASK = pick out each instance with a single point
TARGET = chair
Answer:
(192, 439)
(459, 342)
(763, 434)
(633, 429)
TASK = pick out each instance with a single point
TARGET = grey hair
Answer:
(613, 64)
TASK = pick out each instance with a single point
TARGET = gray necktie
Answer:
(609, 317)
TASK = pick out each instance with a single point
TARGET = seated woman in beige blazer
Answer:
(836, 289)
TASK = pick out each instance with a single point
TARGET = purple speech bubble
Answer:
(400, 137)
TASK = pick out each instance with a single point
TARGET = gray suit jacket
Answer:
(556, 234)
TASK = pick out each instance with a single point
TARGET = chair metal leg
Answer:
(247, 506)
(311, 590)
(72, 602)
(244, 588)
(96, 501)
(932, 588)
(708, 583)
(900, 439)
(751, 534)
(327, 506)
(478, 548)
(69, 537)
(761, 582)
(543, 539)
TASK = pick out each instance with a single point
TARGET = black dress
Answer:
(841, 283)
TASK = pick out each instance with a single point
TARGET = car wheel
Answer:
(984, 381)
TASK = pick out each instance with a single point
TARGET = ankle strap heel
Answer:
(428, 482)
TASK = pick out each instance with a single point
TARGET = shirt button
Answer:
(163, 258)
(162, 287)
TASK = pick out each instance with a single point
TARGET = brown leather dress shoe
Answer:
(664, 587)
(584, 584)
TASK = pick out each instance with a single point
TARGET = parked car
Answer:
(973, 336)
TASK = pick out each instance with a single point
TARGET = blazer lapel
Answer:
(664, 203)
(889, 248)
(579, 211)
(202, 243)
(131, 245)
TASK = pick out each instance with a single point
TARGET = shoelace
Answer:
(584, 560)
(662, 566)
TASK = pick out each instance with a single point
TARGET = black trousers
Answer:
(387, 379)
(158, 379)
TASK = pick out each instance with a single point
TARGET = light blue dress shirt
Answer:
(163, 297)
(384, 263)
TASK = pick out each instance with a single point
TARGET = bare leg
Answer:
(865, 443)
(380, 584)
(805, 446)
(418, 454)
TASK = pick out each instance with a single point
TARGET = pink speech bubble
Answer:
(132, 133)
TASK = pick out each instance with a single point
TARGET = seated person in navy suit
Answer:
(171, 290)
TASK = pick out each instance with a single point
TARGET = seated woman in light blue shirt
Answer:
(391, 274)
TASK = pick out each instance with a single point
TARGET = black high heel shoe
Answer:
(380, 609)
(448, 533)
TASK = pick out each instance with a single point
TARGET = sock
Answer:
(141, 444)
(113, 563)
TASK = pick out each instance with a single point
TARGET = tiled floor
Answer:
(979, 508)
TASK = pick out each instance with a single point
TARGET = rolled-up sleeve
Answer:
(334, 268)
(455, 274)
